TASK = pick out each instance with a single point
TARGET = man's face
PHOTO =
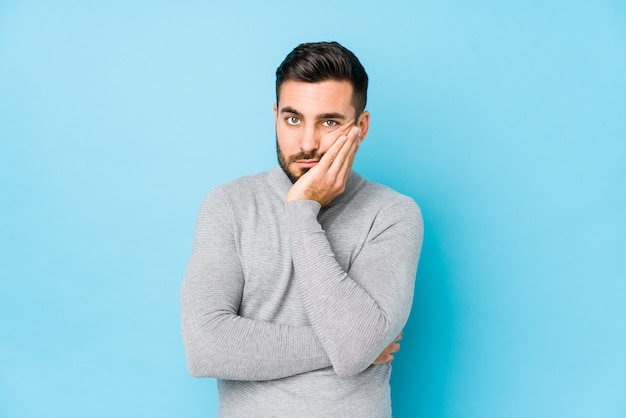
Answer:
(309, 117)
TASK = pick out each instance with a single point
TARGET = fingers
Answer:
(344, 151)
(342, 147)
(387, 355)
(353, 141)
(395, 345)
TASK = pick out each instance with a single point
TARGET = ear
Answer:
(275, 113)
(363, 122)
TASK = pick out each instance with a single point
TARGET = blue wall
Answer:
(504, 120)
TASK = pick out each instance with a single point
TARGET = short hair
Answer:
(322, 61)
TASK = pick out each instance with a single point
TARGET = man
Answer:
(301, 278)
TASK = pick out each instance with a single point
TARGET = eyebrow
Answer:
(332, 115)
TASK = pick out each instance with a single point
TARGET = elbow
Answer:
(198, 362)
(196, 365)
(195, 370)
(345, 372)
(350, 365)
(357, 356)
(203, 355)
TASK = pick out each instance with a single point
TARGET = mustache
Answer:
(306, 156)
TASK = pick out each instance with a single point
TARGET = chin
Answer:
(302, 172)
(294, 177)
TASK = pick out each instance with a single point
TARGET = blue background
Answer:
(505, 121)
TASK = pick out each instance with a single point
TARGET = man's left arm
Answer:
(356, 314)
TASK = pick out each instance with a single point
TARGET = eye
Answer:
(292, 120)
(330, 123)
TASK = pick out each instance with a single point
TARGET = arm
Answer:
(218, 342)
(356, 314)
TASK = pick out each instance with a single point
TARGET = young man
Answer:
(301, 278)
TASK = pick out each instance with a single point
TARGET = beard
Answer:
(286, 161)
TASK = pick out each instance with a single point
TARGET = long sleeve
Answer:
(356, 313)
(218, 341)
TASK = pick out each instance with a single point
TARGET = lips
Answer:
(307, 163)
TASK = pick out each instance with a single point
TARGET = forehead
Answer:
(321, 97)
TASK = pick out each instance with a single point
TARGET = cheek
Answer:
(286, 141)
(327, 140)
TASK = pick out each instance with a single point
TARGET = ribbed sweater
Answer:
(288, 304)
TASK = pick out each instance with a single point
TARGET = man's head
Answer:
(321, 61)
(321, 92)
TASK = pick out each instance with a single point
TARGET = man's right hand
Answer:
(328, 178)
(387, 355)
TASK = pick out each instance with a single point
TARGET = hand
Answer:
(327, 179)
(387, 355)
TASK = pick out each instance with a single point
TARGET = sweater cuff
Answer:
(302, 214)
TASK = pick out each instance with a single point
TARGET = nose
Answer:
(309, 141)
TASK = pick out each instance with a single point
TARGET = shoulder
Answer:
(394, 213)
(386, 198)
(248, 192)
(242, 186)
(244, 183)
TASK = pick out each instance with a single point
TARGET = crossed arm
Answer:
(218, 341)
(350, 331)
(375, 297)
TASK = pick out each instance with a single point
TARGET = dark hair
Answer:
(321, 61)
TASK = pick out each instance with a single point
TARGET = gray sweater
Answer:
(288, 304)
